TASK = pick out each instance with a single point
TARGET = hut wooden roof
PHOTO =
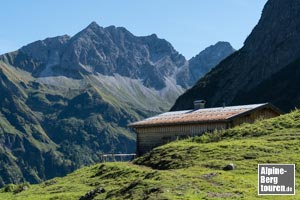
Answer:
(201, 115)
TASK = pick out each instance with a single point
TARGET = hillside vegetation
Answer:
(186, 169)
(66, 100)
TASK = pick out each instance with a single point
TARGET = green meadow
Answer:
(185, 169)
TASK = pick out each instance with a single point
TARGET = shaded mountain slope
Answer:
(280, 89)
(272, 46)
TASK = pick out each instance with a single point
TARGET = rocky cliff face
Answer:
(107, 51)
(65, 100)
(272, 46)
(114, 50)
(202, 63)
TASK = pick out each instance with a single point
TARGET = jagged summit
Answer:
(202, 63)
(115, 50)
(209, 57)
(92, 27)
(93, 24)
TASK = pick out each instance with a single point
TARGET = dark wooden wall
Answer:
(264, 113)
(151, 137)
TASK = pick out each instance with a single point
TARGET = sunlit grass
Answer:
(187, 169)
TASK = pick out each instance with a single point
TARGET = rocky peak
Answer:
(219, 48)
(108, 51)
(115, 50)
(202, 63)
(93, 25)
(211, 56)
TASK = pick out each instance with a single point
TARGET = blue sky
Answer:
(190, 25)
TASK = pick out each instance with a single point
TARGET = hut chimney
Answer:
(224, 104)
(199, 104)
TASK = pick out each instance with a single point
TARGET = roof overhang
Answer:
(178, 123)
(229, 119)
(267, 105)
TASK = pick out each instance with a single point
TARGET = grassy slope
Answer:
(192, 168)
(66, 125)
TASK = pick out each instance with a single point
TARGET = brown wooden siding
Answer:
(151, 137)
(255, 115)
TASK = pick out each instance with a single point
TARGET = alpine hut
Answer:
(169, 126)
